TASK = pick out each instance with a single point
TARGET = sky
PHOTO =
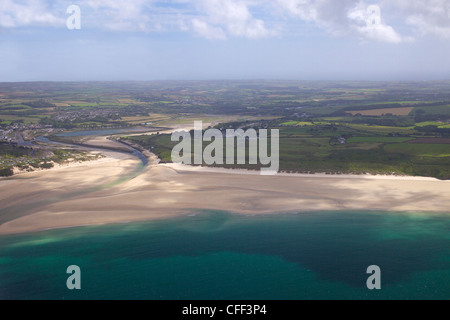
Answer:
(90, 40)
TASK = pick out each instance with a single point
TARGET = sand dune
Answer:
(88, 194)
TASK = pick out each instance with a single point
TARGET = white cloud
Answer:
(33, 12)
(344, 17)
(401, 20)
(425, 27)
(231, 17)
(211, 19)
(330, 15)
(427, 17)
(305, 9)
(207, 31)
(368, 23)
(382, 33)
(121, 15)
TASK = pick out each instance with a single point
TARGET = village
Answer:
(23, 134)
(19, 152)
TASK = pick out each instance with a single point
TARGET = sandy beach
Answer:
(102, 191)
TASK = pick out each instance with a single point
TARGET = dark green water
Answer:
(215, 255)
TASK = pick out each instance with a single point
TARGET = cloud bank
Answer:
(388, 21)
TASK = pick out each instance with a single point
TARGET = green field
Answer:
(7, 119)
(381, 139)
(433, 123)
(318, 152)
(442, 109)
(421, 150)
(381, 130)
(317, 132)
(14, 107)
(304, 123)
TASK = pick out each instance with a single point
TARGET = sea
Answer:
(211, 255)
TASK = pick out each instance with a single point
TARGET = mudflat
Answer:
(102, 191)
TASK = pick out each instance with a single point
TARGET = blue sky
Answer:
(225, 39)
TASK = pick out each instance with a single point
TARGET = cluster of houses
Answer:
(91, 114)
(13, 133)
(341, 140)
(4, 136)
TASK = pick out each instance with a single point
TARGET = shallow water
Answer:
(217, 255)
(103, 132)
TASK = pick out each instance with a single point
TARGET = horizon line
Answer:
(223, 79)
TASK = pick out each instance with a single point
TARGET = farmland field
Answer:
(433, 123)
(432, 140)
(379, 139)
(379, 112)
(334, 127)
(443, 109)
(418, 149)
(303, 150)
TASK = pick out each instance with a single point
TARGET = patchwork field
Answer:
(419, 149)
(317, 150)
(379, 112)
(334, 127)
(379, 139)
(432, 140)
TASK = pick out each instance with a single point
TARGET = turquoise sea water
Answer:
(217, 255)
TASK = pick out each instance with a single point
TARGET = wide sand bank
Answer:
(102, 192)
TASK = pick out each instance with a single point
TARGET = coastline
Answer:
(190, 168)
(105, 156)
(169, 190)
